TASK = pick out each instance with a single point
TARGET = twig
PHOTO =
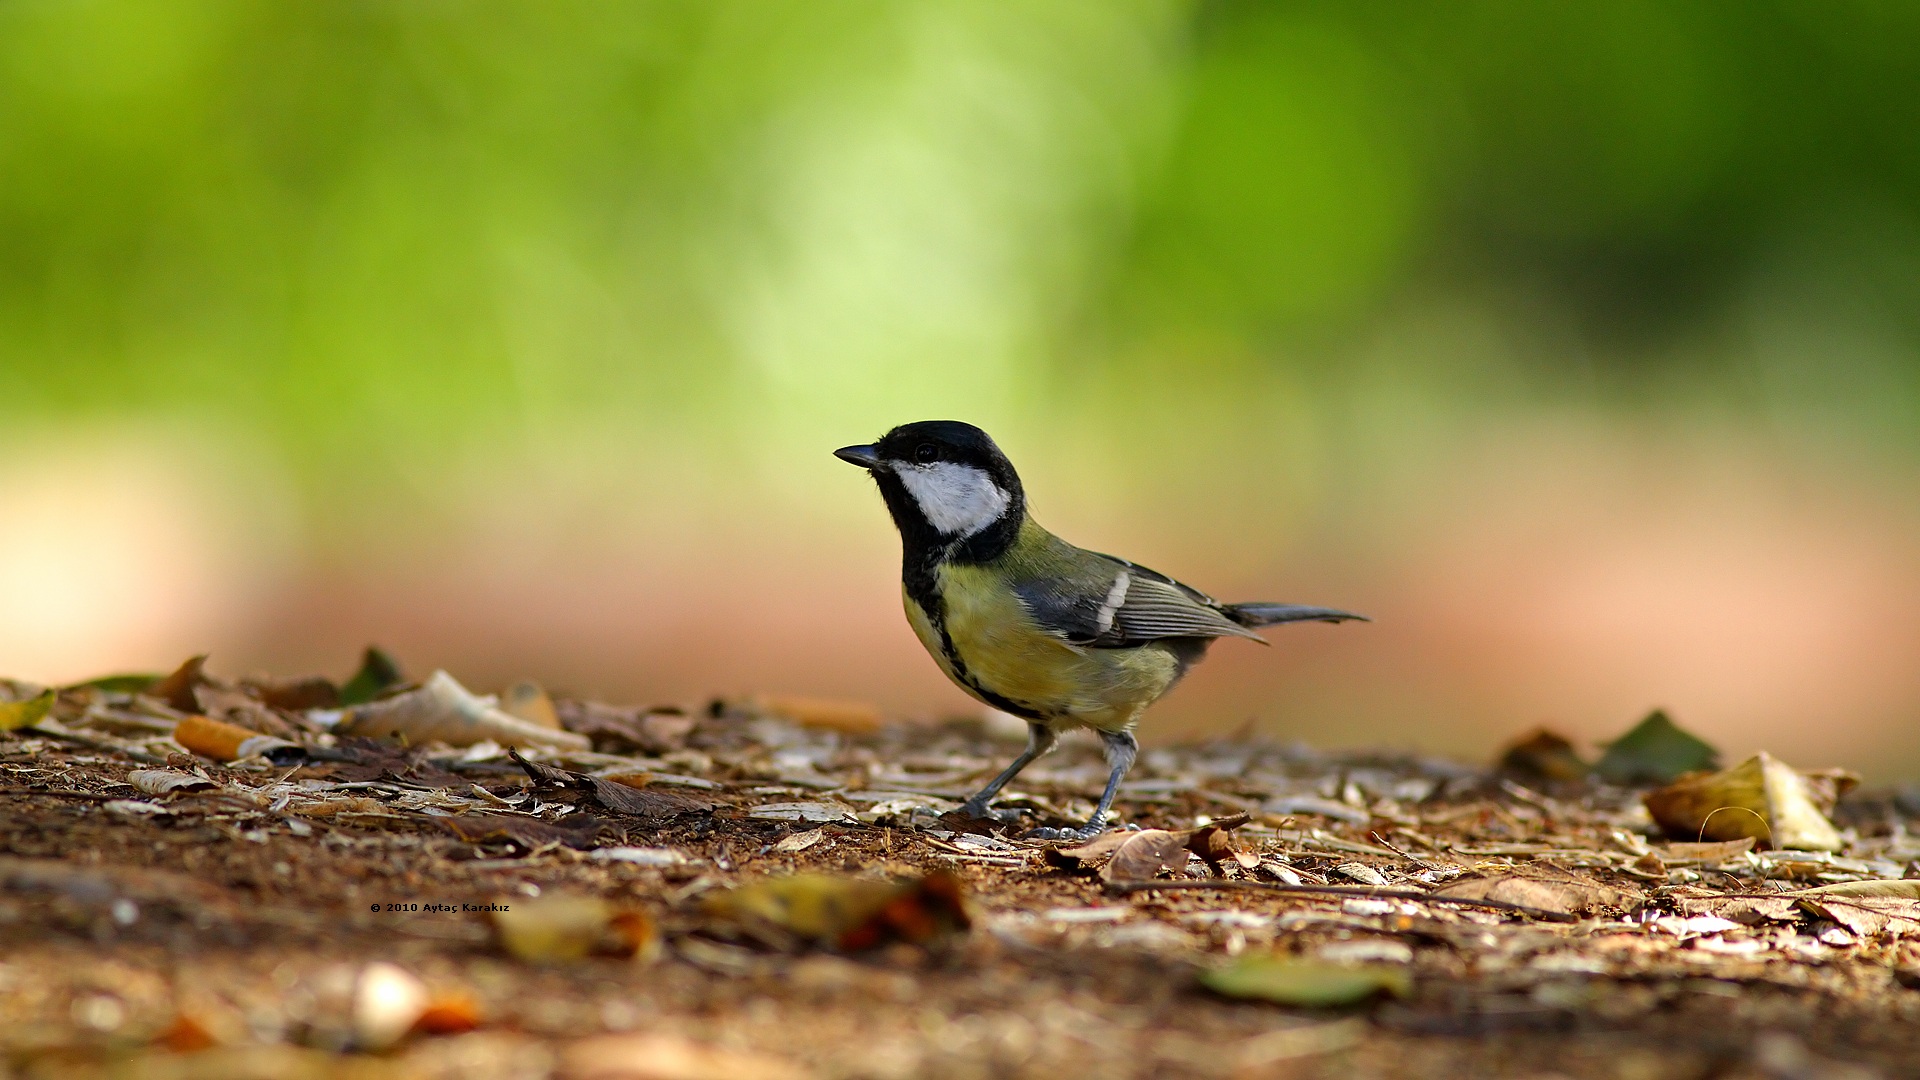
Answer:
(1334, 843)
(1385, 843)
(1124, 887)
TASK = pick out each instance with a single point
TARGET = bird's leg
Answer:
(1040, 739)
(1121, 748)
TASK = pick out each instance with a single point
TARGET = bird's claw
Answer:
(1080, 835)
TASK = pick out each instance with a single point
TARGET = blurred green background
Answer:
(1579, 344)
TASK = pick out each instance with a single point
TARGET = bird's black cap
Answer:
(925, 442)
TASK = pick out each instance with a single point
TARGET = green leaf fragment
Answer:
(119, 684)
(19, 714)
(1656, 751)
(378, 671)
(1311, 984)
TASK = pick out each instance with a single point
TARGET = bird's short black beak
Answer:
(867, 457)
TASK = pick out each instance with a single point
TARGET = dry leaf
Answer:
(1899, 889)
(1362, 873)
(1213, 842)
(242, 708)
(1567, 895)
(20, 714)
(818, 813)
(1746, 910)
(298, 695)
(561, 928)
(177, 689)
(800, 841)
(1708, 854)
(668, 1057)
(1544, 755)
(1316, 984)
(1144, 854)
(162, 781)
(1826, 786)
(1759, 798)
(645, 803)
(1867, 916)
(1076, 857)
(848, 913)
(1139, 856)
(443, 710)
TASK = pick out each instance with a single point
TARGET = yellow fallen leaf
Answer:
(19, 714)
(562, 928)
(1760, 798)
(844, 912)
(1286, 980)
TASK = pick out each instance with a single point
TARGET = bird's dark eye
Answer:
(925, 453)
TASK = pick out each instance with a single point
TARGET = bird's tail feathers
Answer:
(1260, 614)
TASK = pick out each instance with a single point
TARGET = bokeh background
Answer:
(1579, 344)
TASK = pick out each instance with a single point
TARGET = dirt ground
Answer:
(226, 927)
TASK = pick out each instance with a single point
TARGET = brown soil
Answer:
(244, 910)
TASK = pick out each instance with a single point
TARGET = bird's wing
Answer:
(1112, 603)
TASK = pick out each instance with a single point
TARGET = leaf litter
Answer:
(770, 885)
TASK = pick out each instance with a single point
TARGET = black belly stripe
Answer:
(922, 582)
(960, 672)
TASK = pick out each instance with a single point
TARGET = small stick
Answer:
(1125, 887)
(1385, 843)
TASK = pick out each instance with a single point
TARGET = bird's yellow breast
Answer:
(997, 647)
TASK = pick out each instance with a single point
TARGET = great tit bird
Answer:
(1057, 635)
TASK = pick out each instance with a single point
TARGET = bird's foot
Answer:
(1080, 835)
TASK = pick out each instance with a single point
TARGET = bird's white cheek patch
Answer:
(958, 500)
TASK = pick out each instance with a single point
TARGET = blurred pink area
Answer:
(1576, 582)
